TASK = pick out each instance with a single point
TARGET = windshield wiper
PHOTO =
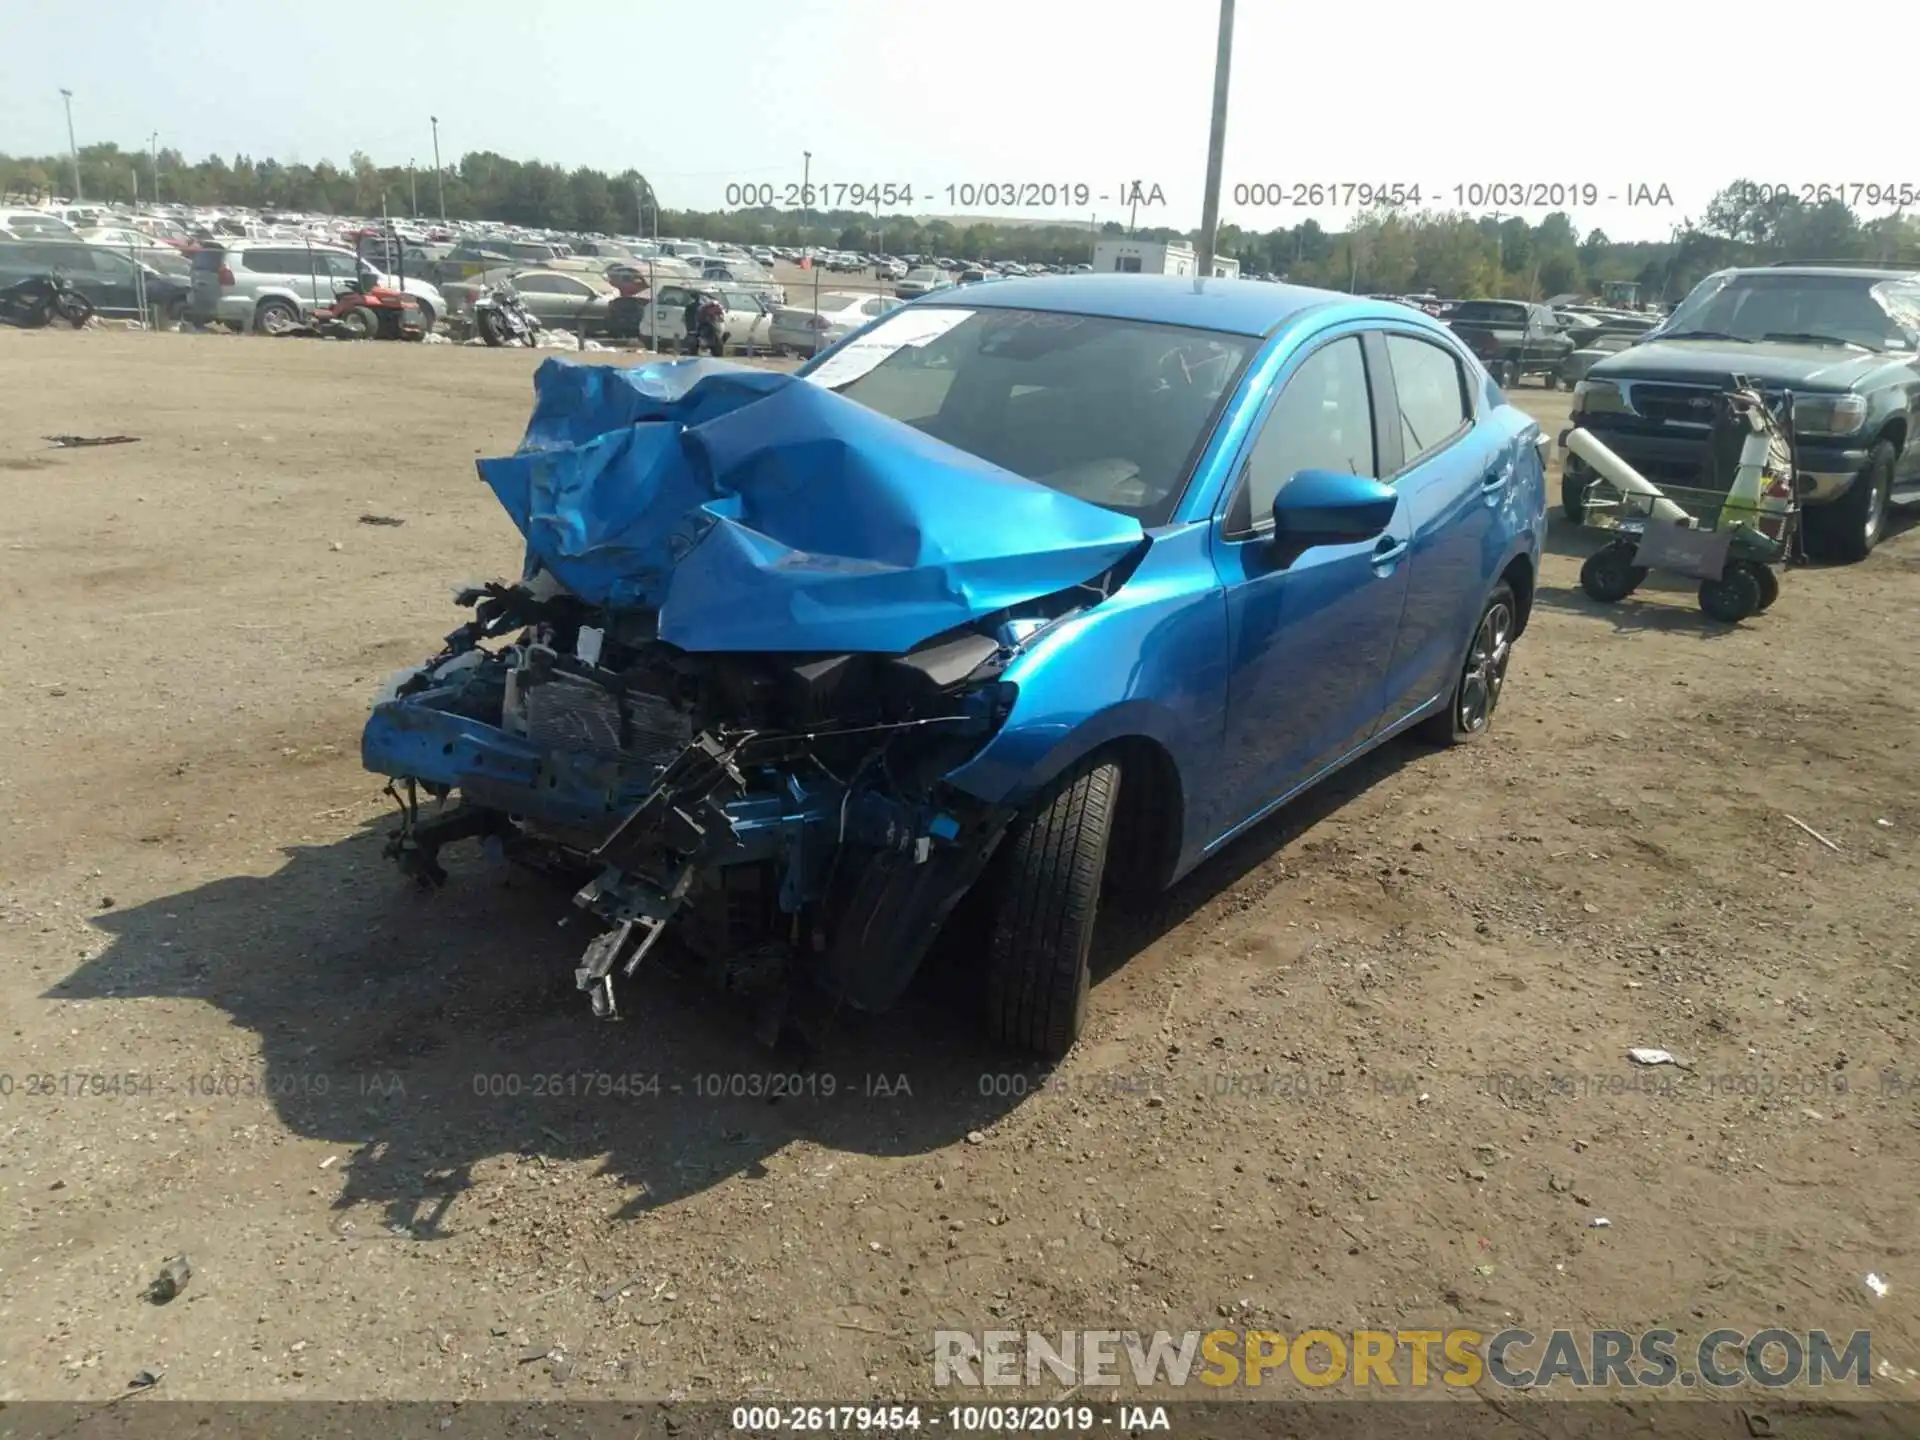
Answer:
(1701, 335)
(1808, 338)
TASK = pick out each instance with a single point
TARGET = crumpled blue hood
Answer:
(755, 511)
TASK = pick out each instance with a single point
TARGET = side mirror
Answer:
(1330, 507)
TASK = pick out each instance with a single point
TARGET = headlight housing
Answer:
(1599, 397)
(1829, 414)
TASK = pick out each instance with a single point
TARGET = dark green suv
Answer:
(1845, 339)
(106, 276)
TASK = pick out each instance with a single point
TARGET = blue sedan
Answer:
(1017, 596)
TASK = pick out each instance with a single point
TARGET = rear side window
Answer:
(1432, 392)
(1323, 420)
(209, 259)
(271, 262)
(74, 259)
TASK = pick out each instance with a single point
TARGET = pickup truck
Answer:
(1513, 338)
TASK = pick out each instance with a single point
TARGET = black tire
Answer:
(493, 328)
(1769, 583)
(1573, 495)
(1482, 675)
(364, 321)
(270, 317)
(1508, 375)
(75, 309)
(1610, 575)
(1043, 908)
(427, 318)
(1731, 598)
(1846, 531)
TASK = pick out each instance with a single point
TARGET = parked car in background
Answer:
(272, 285)
(748, 324)
(1512, 338)
(1844, 339)
(798, 330)
(922, 280)
(141, 247)
(111, 280)
(1574, 368)
(571, 300)
(36, 224)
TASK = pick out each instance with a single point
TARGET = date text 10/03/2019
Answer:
(1254, 194)
(966, 195)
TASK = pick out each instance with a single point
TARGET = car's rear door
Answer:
(1453, 481)
(1311, 632)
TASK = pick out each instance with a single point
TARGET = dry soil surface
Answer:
(1368, 1069)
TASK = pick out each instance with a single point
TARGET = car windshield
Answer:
(1848, 309)
(923, 273)
(1113, 412)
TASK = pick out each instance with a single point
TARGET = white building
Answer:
(1155, 257)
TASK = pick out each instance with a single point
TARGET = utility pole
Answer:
(73, 150)
(1217, 141)
(153, 156)
(806, 191)
(439, 175)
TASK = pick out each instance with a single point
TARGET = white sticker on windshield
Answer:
(904, 329)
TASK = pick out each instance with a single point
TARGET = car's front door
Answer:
(1453, 488)
(1311, 631)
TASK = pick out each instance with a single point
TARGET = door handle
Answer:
(1495, 479)
(1389, 550)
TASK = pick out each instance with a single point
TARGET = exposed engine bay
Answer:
(758, 628)
(787, 812)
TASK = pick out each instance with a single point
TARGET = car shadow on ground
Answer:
(426, 1034)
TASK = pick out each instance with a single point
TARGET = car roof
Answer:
(1862, 271)
(1237, 307)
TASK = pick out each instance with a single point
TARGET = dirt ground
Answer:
(1367, 1069)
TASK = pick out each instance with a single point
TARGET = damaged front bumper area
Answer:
(787, 812)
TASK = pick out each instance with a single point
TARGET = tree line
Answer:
(1384, 249)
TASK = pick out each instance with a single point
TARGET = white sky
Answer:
(1680, 93)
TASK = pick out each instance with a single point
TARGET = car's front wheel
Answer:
(1849, 528)
(1047, 892)
(1483, 675)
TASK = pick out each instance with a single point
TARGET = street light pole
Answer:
(413, 188)
(73, 150)
(153, 155)
(439, 175)
(1217, 141)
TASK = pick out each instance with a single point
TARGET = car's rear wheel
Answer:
(1043, 908)
(1847, 530)
(275, 317)
(1482, 676)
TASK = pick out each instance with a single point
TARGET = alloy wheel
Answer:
(1486, 670)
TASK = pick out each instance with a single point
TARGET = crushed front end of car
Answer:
(757, 627)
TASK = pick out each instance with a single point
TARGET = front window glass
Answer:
(1110, 411)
